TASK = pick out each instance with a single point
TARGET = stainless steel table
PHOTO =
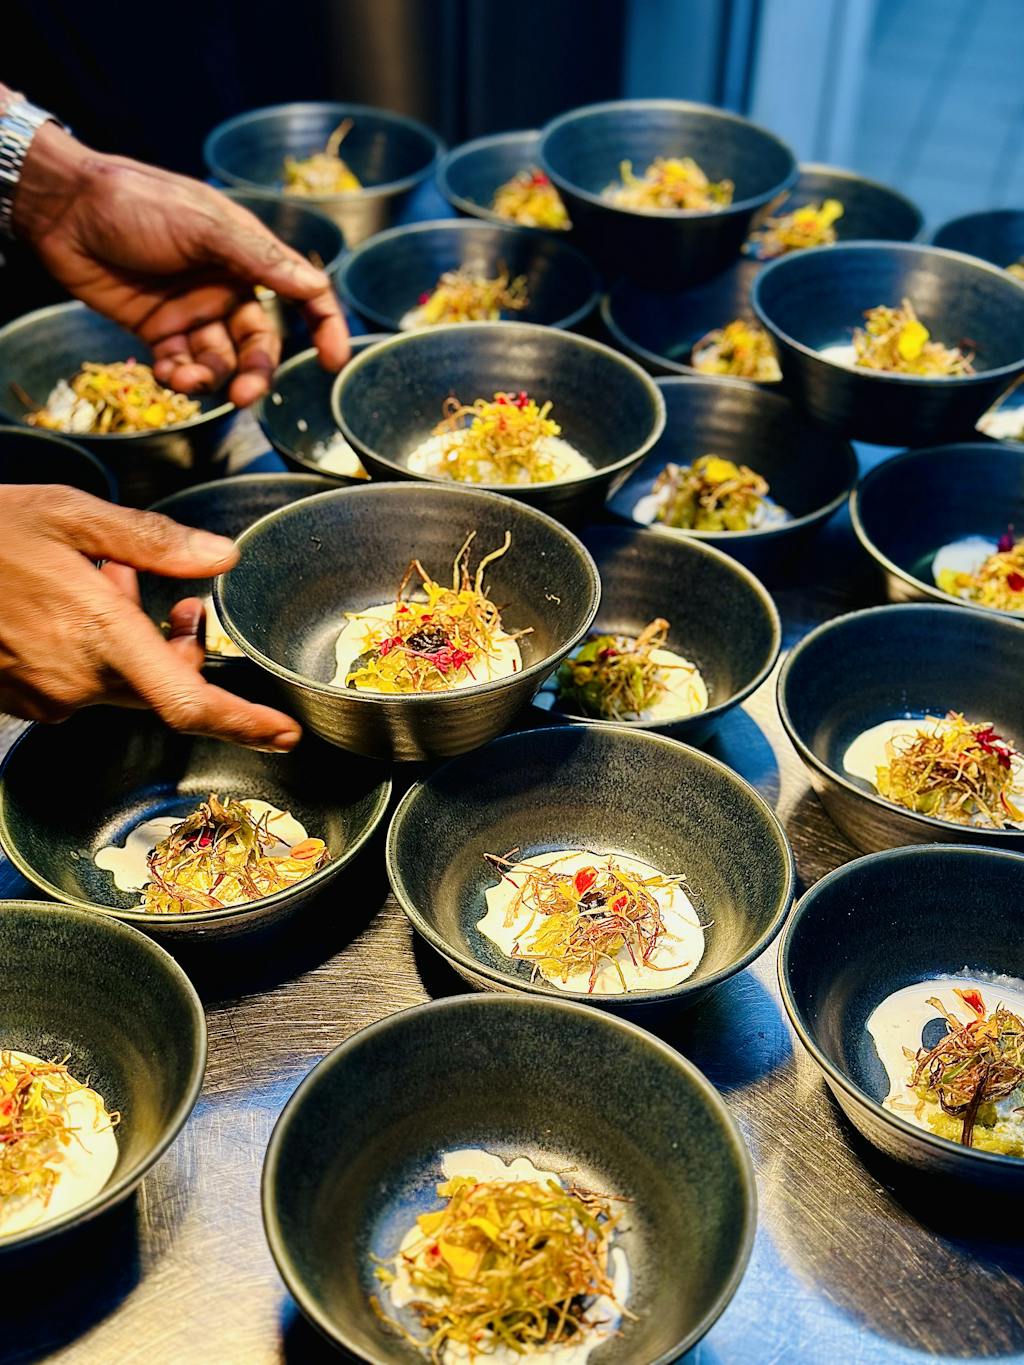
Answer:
(851, 1263)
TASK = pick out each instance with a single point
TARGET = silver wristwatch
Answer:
(19, 124)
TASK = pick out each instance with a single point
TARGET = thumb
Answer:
(141, 540)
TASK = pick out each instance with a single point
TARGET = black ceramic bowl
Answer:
(383, 279)
(390, 399)
(870, 666)
(126, 1017)
(996, 235)
(121, 768)
(668, 248)
(558, 1083)
(304, 566)
(30, 456)
(812, 299)
(51, 344)
(874, 926)
(471, 173)
(605, 788)
(910, 506)
(227, 507)
(659, 329)
(721, 618)
(295, 416)
(810, 470)
(390, 154)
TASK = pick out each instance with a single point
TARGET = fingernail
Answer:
(205, 545)
(280, 744)
(308, 277)
(186, 622)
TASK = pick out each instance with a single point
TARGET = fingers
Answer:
(126, 580)
(139, 540)
(328, 330)
(259, 350)
(186, 634)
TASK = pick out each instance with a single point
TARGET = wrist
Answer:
(54, 172)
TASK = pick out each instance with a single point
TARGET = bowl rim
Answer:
(22, 429)
(977, 450)
(710, 553)
(1009, 837)
(737, 207)
(244, 479)
(465, 329)
(262, 406)
(116, 1190)
(922, 383)
(472, 206)
(522, 986)
(237, 193)
(845, 173)
(343, 109)
(26, 323)
(1008, 212)
(403, 699)
(410, 1017)
(720, 540)
(381, 240)
(832, 1073)
(192, 919)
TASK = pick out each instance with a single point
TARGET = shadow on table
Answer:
(741, 743)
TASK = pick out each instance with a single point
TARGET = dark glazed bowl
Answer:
(996, 236)
(302, 394)
(120, 768)
(869, 666)
(812, 299)
(227, 507)
(471, 173)
(660, 329)
(667, 248)
(383, 279)
(52, 343)
(721, 618)
(910, 506)
(304, 566)
(874, 926)
(391, 155)
(555, 1082)
(391, 398)
(30, 456)
(127, 1018)
(810, 470)
(604, 788)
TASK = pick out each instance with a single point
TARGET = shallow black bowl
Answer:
(721, 617)
(30, 456)
(295, 416)
(383, 279)
(668, 249)
(874, 926)
(126, 1017)
(304, 566)
(558, 1083)
(227, 507)
(389, 400)
(52, 343)
(471, 173)
(995, 235)
(909, 506)
(659, 329)
(869, 666)
(812, 299)
(810, 470)
(605, 788)
(121, 768)
(391, 155)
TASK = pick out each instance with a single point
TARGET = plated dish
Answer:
(499, 178)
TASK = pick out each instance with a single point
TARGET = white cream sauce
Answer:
(428, 458)
(218, 641)
(845, 354)
(365, 628)
(85, 1164)
(480, 1165)
(675, 958)
(1003, 422)
(338, 457)
(128, 863)
(768, 513)
(685, 692)
(963, 556)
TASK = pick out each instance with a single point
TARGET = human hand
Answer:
(172, 260)
(72, 635)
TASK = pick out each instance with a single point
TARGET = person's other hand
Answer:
(72, 635)
(172, 260)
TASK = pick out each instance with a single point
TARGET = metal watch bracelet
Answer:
(19, 124)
